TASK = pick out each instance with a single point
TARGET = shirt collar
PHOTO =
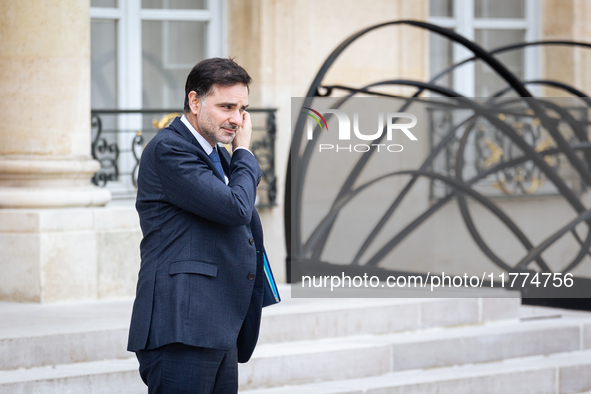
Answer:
(202, 141)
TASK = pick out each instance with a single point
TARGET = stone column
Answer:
(558, 61)
(45, 105)
(46, 236)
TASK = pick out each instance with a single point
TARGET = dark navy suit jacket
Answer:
(201, 276)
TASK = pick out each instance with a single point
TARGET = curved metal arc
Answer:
(475, 48)
(537, 159)
(573, 123)
(509, 48)
(516, 139)
(354, 174)
(584, 172)
(567, 193)
(576, 127)
(478, 51)
(304, 161)
(468, 218)
(401, 82)
(582, 136)
(411, 226)
(414, 224)
(347, 185)
(477, 238)
(585, 249)
(526, 243)
(293, 173)
(575, 162)
(375, 231)
(378, 256)
(549, 82)
(538, 250)
(317, 239)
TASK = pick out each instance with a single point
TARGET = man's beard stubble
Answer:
(209, 128)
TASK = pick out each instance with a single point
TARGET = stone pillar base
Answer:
(68, 254)
(30, 182)
(89, 196)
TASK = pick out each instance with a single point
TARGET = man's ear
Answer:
(194, 103)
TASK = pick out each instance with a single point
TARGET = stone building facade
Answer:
(62, 238)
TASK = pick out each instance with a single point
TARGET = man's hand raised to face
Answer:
(243, 133)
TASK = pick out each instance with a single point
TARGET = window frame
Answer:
(129, 17)
(465, 23)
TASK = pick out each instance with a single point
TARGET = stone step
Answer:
(302, 319)
(554, 374)
(569, 372)
(371, 355)
(33, 335)
(97, 377)
(329, 359)
(356, 359)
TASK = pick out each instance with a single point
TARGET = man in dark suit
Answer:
(199, 295)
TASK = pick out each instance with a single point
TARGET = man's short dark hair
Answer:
(214, 71)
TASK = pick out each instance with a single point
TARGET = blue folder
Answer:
(270, 294)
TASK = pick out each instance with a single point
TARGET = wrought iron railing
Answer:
(119, 136)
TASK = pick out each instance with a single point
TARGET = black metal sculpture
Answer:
(533, 159)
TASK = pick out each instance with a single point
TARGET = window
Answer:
(141, 53)
(142, 50)
(491, 24)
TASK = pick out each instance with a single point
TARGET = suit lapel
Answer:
(178, 126)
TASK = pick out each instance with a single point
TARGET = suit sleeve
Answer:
(189, 183)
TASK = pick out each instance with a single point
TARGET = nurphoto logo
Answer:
(392, 121)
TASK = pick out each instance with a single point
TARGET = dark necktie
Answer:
(215, 158)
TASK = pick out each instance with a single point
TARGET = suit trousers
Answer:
(177, 368)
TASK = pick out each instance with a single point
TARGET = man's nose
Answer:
(236, 117)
